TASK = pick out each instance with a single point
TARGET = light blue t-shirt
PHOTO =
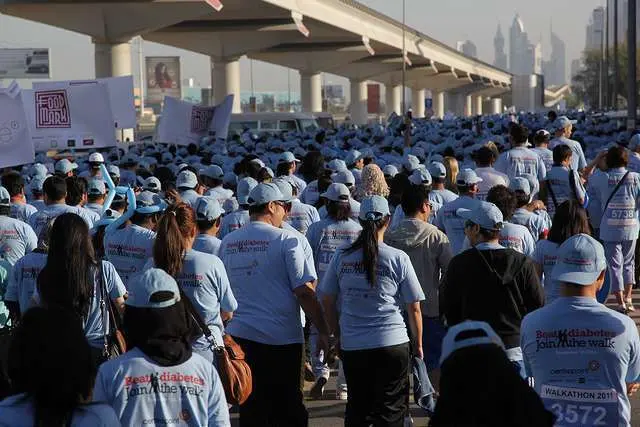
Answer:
(519, 161)
(546, 255)
(310, 195)
(204, 280)
(207, 244)
(451, 224)
(355, 210)
(128, 178)
(580, 354)
(558, 178)
(39, 220)
(620, 218)
(18, 411)
(94, 207)
(190, 197)
(634, 162)
(38, 204)
(536, 224)
(22, 211)
(93, 326)
(220, 193)
(265, 265)
(16, 239)
(302, 216)
(517, 237)
(24, 278)
(233, 222)
(326, 236)
(128, 249)
(442, 196)
(595, 206)
(546, 156)
(88, 215)
(371, 317)
(578, 160)
(143, 393)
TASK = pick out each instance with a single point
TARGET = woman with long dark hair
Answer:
(570, 219)
(159, 378)
(52, 374)
(497, 395)
(73, 279)
(367, 286)
(201, 277)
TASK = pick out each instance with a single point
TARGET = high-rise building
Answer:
(524, 57)
(576, 66)
(500, 58)
(468, 48)
(555, 70)
(595, 28)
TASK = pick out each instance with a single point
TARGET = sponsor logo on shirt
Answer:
(164, 383)
(575, 338)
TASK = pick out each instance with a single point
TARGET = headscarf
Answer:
(372, 183)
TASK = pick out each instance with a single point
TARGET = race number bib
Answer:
(581, 407)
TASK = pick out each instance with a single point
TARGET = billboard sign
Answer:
(163, 78)
(24, 63)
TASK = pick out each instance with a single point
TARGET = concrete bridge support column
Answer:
(311, 92)
(393, 99)
(496, 105)
(417, 103)
(112, 59)
(477, 105)
(226, 81)
(438, 104)
(359, 102)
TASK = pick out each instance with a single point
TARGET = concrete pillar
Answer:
(393, 99)
(112, 59)
(417, 103)
(438, 104)
(226, 81)
(496, 105)
(359, 102)
(311, 92)
(477, 105)
(468, 102)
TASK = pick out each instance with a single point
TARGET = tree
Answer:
(585, 84)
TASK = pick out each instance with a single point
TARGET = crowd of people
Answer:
(482, 248)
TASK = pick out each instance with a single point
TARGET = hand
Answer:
(323, 344)
(536, 205)
(417, 351)
(632, 388)
(173, 196)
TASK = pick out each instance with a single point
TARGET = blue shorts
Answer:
(433, 332)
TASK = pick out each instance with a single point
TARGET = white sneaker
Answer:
(341, 394)
(629, 304)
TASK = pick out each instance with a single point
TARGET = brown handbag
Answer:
(114, 342)
(234, 372)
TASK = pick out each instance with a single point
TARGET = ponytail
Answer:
(368, 242)
(174, 228)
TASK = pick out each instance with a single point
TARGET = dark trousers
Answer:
(276, 400)
(378, 381)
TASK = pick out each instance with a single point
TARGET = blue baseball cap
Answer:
(337, 165)
(207, 208)
(580, 260)
(213, 172)
(411, 162)
(64, 166)
(148, 203)
(437, 170)
(286, 188)
(5, 198)
(36, 184)
(352, 157)
(390, 171)
(96, 187)
(265, 193)
(287, 157)
(187, 179)
(337, 192)
(467, 177)
(344, 177)
(129, 159)
(145, 285)
(562, 122)
(38, 169)
(374, 208)
(152, 184)
(420, 176)
(486, 215)
(455, 339)
(521, 184)
(245, 185)
(113, 170)
(634, 142)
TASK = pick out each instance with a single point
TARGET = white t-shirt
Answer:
(128, 249)
(302, 216)
(143, 393)
(207, 244)
(16, 239)
(490, 178)
(24, 278)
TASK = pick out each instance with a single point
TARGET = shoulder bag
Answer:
(615, 190)
(114, 342)
(233, 370)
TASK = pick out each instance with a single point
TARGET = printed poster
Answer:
(16, 146)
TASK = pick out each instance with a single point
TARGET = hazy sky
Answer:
(444, 20)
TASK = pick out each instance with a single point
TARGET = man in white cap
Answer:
(95, 161)
(235, 220)
(96, 193)
(584, 357)
(271, 281)
(16, 237)
(300, 216)
(448, 220)
(13, 182)
(288, 165)
(520, 159)
(438, 192)
(187, 184)
(489, 282)
(128, 166)
(65, 168)
(485, 158)
(564, 127)
(355, 163)
(541, 141)
(208, 216)
(213, 178)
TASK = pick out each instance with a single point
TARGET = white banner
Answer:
(183, 123)
(77, 117)
(16, 146)
(120, 91)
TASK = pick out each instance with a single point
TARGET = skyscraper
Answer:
(595, 30)
(524, 57)
(468, 48)
(555, 72)
(500, 58)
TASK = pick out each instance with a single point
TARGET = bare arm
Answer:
(306, 295)
(119, 303)
(414, 315)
